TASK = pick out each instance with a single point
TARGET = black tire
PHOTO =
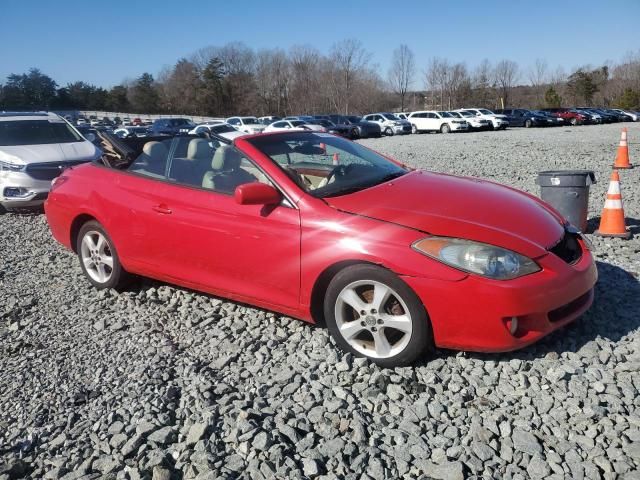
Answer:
(414, 129)
(118, 277)
(491, 127)
(528, 124)
(2, 210)
(445, 128)
(388, 132)
(574, 121)
(420, 342)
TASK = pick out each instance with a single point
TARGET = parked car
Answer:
(389, 123)
(136, 121)
(554, 121)
(293, 125)
(330, 231)
(94, 122)
(365, 129)
(82, 121)
(107, 122)
(570, 116)
(126, 121)
(343, 130)
(433, 121)
(246, 124)
(520, 117)
(34, 149)
(117, 120)
(632, 115)
(171, 126)
(475, 123)
(132, 131)
(496, 121)
(304, 118)
(403, 115)
(268, 120)
(223, 129)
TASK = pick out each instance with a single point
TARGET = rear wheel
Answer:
(98, 257)
(527, 124)
(388, 131)
(414, 129)
(445, 128)
(574, 121)
(372, 313)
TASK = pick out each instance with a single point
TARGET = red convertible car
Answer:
(393, 260)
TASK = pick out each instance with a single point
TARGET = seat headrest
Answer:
(226, 158)
(155, 151)
(198, 149)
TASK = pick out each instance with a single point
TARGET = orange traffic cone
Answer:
(336, 159)
(612, 218)
(622, 158)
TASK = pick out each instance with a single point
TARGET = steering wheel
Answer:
(339, 171)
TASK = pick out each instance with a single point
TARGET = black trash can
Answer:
(568, 192)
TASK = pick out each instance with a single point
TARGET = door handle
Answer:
(162, 208)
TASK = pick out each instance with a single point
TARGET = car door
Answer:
(213, 243)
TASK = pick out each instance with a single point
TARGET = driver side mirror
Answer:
(256, 193)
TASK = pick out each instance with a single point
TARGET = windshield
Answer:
(390, 116)
(353, 119)
(180, 121)
(445, 114)
(297, 123)
(484, 111)
(465, 113)
(222, 129)
(247, 120)
(36, 132)
(325, 165)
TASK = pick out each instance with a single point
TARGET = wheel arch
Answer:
(322, 283)
(76, 225)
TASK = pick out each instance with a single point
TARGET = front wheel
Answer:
(445, 128)
(372, 313)
(527, 124)
(414, 129)
(574, 121)
(98, 257)
(388, 131)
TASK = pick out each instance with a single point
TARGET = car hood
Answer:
(54, 152)
(460, 207)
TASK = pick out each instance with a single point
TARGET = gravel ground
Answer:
(161, 382)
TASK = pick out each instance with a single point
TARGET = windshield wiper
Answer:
(362, 186)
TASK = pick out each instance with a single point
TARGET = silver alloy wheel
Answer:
(373, 319)
(414, 129)
(96, 256)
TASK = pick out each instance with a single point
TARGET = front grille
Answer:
(568, 248)
(49, 170)
(571, 307)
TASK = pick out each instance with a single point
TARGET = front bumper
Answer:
(498, 123)
(459, 127)
(401, 129)
(33, 192)
(472, 314)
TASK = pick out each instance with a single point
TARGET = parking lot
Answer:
(162, 382)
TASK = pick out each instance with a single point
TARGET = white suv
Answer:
(432, 121)
(475, 123)
(34, 149)
(389, 123)
(497, 122)
(246, 124)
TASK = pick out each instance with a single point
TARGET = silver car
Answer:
(34, 149)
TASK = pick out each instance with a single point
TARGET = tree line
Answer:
(236, 80)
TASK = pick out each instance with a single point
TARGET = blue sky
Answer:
(103, 42)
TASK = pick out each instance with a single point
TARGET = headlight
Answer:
(475, 257)
(10, 167)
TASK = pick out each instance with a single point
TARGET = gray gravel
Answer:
(158, 382)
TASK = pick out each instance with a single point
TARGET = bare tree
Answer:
(538, 78)
(436, 80)
(401, 72)
(506, 75)
(348, 59)
(306, 93)
(272, 79)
